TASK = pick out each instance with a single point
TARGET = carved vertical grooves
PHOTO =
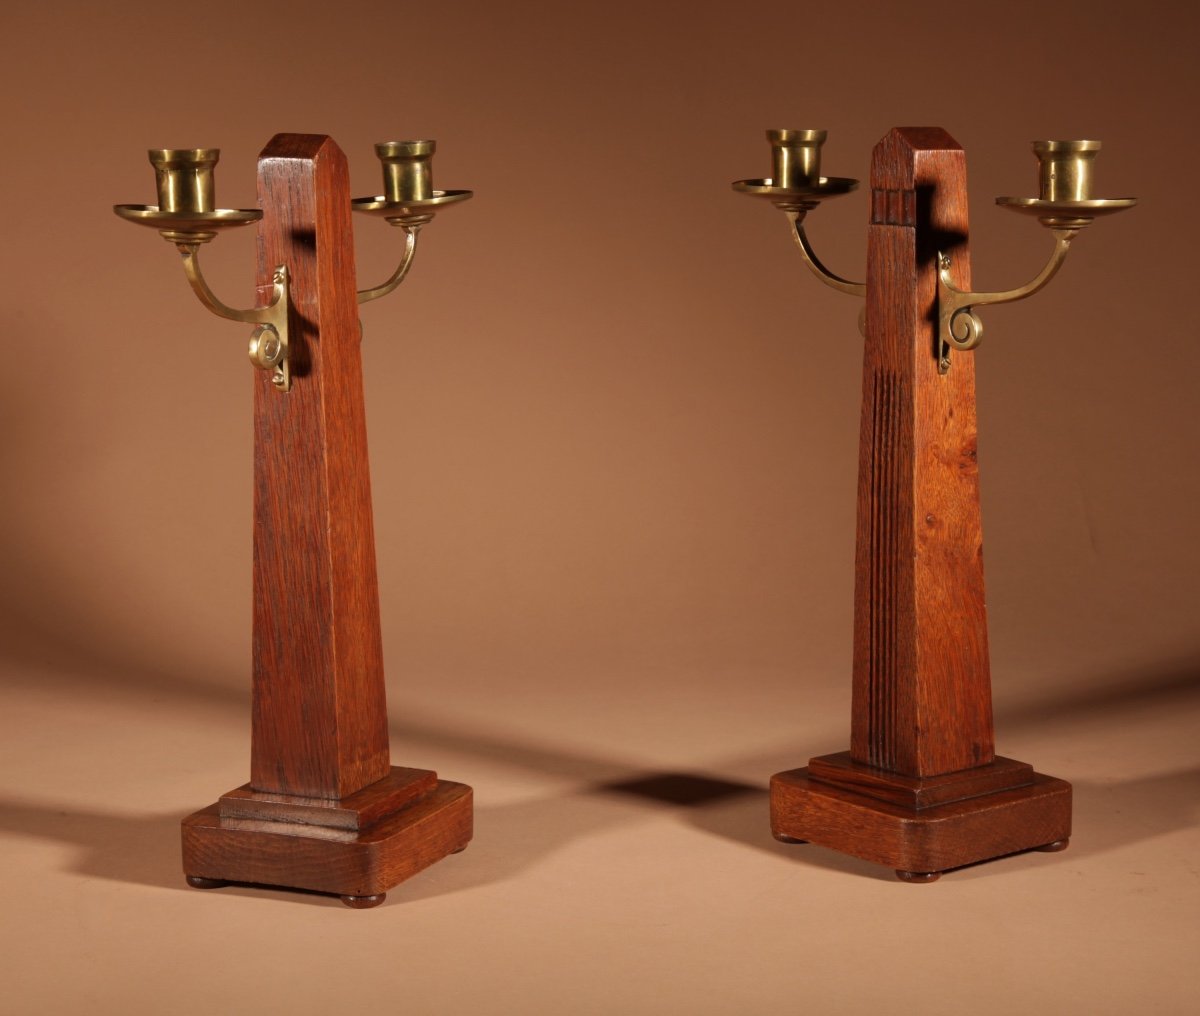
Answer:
(887, 399)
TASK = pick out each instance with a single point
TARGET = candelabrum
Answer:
(921, 789)
(324, 809)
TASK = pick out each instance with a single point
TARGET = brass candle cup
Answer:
(796, 185)
(186, 211)
(407, 169)
(408, 198)
(1065, 169)
(796, 157)
(184, 177)
(1065, 187)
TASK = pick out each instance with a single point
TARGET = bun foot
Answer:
(918, 876)
(785, 838)
(1055, 847)
(459, 850)
(196, 882)
(364, 902)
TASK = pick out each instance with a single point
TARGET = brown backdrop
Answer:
(612, 419)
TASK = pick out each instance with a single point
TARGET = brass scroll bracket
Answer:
(958, 325)
(269, 341)
(1064, 206)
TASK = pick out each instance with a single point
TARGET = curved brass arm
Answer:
(191, 267)
(269, 342)
(406, 259)
(957, 324)
(814, 263)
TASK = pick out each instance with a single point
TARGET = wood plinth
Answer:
(924, 840)
(348, 862)
(921, 788)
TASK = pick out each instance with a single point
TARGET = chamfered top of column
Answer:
(301, 146)
(894, 158)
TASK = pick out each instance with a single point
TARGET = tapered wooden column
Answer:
(317, 647)
(921, 789)
(324, 808)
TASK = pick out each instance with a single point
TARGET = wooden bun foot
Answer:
(918, 876)
(364, 902)
(1055, 847)
(196, 882)
(784, 838)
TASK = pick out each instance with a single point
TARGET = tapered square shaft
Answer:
(922, 692)
(319, 712)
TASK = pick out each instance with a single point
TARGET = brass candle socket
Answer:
(187, 209)
(796, 157)
(407, 169)
(1065, 169)
(796, 184)
(185, 178)
(408, 198)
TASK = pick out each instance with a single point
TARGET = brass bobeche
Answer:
(187, 216)
(1064, 205)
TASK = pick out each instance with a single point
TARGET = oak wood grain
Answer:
(843, 771)
(355, 811)
(922, 688)
(341, 861)
(924, 840)
(319, 712)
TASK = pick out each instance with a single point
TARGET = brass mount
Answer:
(186, 215)
(1064, 206)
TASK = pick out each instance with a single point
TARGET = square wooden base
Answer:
(358, 864)
(919, 842)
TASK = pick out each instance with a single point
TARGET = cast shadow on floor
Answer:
(137, 849)
(144, 850)
(605, 793)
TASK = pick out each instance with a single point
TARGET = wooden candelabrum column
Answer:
(324, 809)
(921, 789)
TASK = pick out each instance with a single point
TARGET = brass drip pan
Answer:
(414, 208)
(1066, 213)
(797, 197)
(195, 227)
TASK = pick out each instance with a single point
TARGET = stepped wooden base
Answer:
(355, 848)
(859, 815)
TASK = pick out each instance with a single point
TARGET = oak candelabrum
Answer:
(324, 809)
(921, 789)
